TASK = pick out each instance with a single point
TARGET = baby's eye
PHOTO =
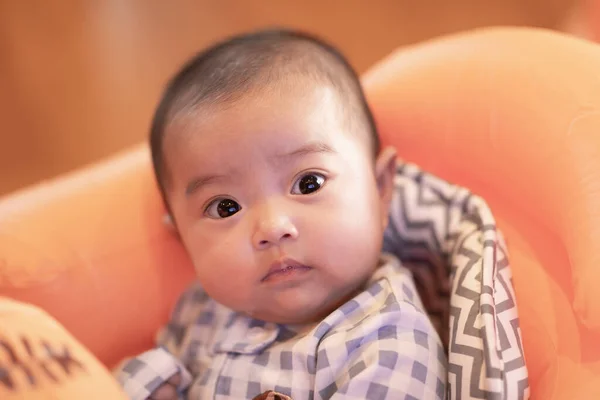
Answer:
(308, 183)
(222, 208)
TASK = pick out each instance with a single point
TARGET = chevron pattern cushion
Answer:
(448, 238)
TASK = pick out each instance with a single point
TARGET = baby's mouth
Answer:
(283, 269)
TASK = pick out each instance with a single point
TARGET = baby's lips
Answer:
(282, 265)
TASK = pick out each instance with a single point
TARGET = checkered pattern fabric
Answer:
(152, 369)
(378, 345)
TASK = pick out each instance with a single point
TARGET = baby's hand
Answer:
(168, 390)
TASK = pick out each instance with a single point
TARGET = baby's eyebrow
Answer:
(309, 148)
(195, 184)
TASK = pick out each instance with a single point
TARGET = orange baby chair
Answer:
(510, 113)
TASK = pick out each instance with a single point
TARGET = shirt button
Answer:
(257, 334)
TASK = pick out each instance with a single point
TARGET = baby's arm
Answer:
(160, 373)
(155, 374)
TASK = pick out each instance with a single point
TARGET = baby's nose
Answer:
(273, 231)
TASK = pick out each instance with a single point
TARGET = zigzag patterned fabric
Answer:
(448, 238)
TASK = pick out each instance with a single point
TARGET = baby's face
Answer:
(277, 204)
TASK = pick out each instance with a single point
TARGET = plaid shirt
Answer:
(378, 345)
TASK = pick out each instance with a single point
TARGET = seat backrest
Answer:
(512, 113)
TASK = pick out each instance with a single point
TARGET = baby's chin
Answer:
(295, 317)
(314, 309)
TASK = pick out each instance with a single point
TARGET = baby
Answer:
(269, 163)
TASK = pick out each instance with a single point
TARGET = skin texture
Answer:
(167, 391)
(332, 236)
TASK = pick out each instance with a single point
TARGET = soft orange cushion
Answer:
(91, 249)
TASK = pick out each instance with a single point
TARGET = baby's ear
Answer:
(169, 223)
(385, 170)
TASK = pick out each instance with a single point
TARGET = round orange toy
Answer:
(509, 113)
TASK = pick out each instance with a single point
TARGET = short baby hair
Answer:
(240, 65)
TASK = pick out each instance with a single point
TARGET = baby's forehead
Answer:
(215, 137)
(270, 108)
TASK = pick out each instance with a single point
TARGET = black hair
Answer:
(239, 65)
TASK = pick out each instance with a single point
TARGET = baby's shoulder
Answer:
(190, 304)
(389, 300)
(393, 285)
(195, 318)
(196, 307)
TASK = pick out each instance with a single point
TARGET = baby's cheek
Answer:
(349, 230)
(230, 290)
(224, 268)
(356, 212)
(225, 284)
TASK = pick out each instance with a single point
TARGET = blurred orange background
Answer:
(79, 79)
